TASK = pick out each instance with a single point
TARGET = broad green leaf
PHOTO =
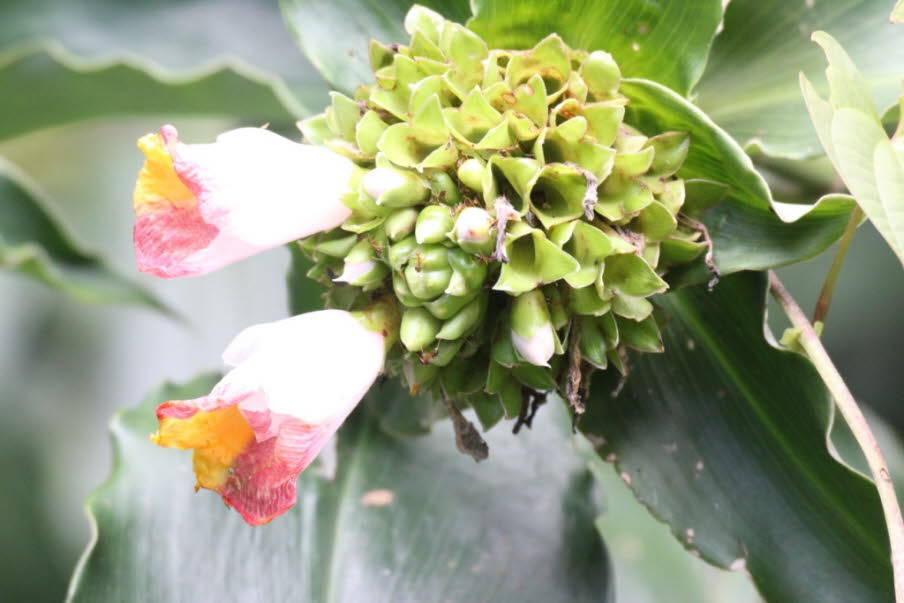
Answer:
(870, 168)
(750, 238)
(334, 34)
(897, 13)
(665, 41)
(63, 89)
(658, 40)
(649, 565)
(750, 84)
(724, 438)
(33, 243)
(749, 230)
(173, 40)
(851, 131)
(407, 519)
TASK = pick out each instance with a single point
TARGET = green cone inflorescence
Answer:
(519, 225)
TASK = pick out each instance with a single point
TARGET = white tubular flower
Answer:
(199, 207)
(293, 383)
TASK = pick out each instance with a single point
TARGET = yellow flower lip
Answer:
(159, 186)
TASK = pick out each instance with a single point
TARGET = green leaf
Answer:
(334, 34)
(402, 519)
(648, 563)
(177, 40)
(749, 230)
(749, 238)
(750, 85)
(723, 437)
(63, 89)
(897, 13)
(870, 168)
(33, 243)
(657, 40)
(850, 129)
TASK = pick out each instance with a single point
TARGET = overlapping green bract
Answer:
(456, 141)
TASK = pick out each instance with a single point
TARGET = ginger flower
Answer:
(199, 207)
(292, 384)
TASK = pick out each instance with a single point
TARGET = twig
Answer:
(504, 213)
(467, 439)
(590, 196)
(817, 354)
(708, 258)
(573, 383)
(828, 288)
(530, 401)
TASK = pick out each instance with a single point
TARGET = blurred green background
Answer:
(67, 367)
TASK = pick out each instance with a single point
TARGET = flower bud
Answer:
(433, 224)
(463, 321)
(419, 329)
(361, 267)
(427, 284)
(446, 351)
(401, 252)
(473, 231)
(444, 188)
(403, 292)
(470, 173)
(532, 332)
(428, 272)
(468, 273)
(400, 223)
(381, 316)
(601, 74)
(445, 306)
(394, 188)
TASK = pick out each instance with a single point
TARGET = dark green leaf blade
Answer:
(334, 34)
(402, 520)
(33, 244)
(724, 438)
(750, 85)
(658, 40)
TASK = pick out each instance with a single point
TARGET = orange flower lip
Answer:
(266, 420)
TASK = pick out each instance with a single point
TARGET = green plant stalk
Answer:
(817, 354)
(828, 288)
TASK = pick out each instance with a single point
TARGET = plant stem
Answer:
(812, 345)
(828, 288)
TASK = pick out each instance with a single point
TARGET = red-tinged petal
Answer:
(262, 483)
(166, 239)
(200, 207)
